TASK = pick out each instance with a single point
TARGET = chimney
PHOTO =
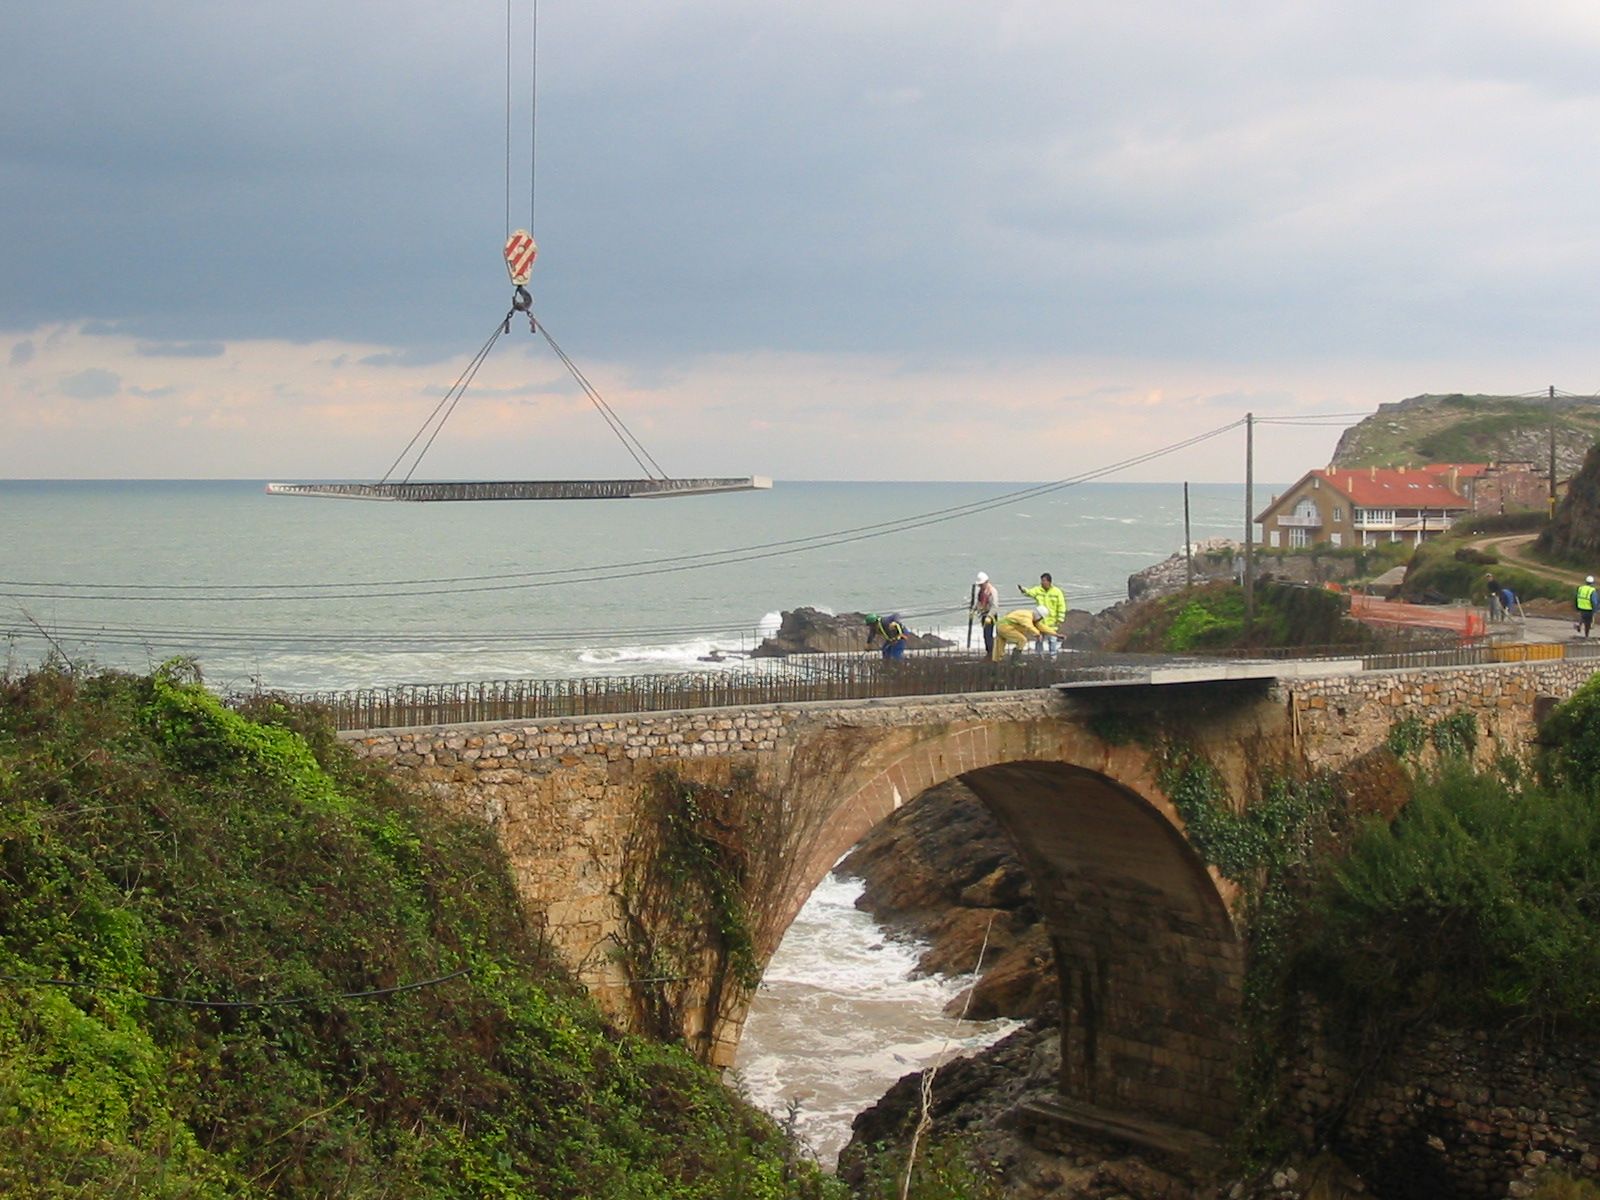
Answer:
(1374, 472)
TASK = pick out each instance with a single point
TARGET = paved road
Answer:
(1537, 629)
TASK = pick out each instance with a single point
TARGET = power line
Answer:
(607, 573)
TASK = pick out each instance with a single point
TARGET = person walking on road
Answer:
(891, 630)
(986, 607)
(1017, 629)
(1055, 604)
(1584, 602)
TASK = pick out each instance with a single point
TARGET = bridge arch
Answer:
(1148, 958)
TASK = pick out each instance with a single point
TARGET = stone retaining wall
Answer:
(1476, 1115)
(1337, 719)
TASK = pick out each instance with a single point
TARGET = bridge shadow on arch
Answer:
(1149, 963)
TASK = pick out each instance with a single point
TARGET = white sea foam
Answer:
(839, 1017)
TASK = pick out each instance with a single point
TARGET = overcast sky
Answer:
(814, 241)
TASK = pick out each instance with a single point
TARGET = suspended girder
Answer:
(523, 489)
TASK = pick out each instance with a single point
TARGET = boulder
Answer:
(812, 631)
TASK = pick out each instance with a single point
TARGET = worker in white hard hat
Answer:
(1017, 629)
(1584, 602)
(986, 608)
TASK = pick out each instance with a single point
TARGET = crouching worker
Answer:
(1017, 629)
(892, 633)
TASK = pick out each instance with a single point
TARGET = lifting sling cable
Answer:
(625, 435)
(522, 301)
(456, 388)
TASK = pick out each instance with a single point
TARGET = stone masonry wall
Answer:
(561, 795)
(1475, 1115)
(1337, 719)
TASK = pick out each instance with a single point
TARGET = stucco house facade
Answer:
(1365, 507)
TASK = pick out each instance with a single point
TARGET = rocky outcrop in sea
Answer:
(812, 631)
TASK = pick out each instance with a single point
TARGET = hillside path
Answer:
(1510, 548)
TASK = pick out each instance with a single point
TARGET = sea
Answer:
(299, 594)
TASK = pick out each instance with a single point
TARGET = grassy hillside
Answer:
(236, 963)
(1461, 428)
(1211, 617)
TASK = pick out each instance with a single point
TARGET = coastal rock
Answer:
(943, 871)
(812, 631)
(1213, 558)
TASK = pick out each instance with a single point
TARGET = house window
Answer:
(1299, 538)
(1336, 538)
(1305, 511)
(1277, 539)
(1338, 514)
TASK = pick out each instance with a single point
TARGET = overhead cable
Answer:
(597, 574)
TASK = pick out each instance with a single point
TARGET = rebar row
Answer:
(821, 677)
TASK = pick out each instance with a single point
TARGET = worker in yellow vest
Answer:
(1585, 604)
(1055, 603)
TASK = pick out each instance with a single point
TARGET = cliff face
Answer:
(1574, 534)
(1459, 428)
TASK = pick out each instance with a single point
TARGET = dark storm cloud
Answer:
(1210, 178)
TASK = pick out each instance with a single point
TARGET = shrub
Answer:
(1571, 739)
(281, 899)
(1474, 904)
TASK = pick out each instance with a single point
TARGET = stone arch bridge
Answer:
(1149, 946)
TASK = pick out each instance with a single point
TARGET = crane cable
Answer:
(522, 302)
(624, 434)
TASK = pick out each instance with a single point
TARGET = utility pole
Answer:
(1249, 520)
(1188, 540)
(1551, 514)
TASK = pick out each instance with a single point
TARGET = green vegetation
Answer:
(1446, 567)
(1474, 906)
(1211, 617)
(1556, 1184)
(238, 964)
(1508, 522)
(692, 868)
(942, 1171)
(1477, 904)
(1479, 439)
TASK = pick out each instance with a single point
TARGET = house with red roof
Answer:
(1366, 506)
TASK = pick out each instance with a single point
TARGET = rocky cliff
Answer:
(1460, 428)
(941, 870)
(1574, 534)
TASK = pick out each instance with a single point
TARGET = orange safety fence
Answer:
(1465, 622)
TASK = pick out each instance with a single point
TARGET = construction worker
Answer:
(1017, 629)
(1584, 601)
(1055, 603)
(891, 630)
(986, 607)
